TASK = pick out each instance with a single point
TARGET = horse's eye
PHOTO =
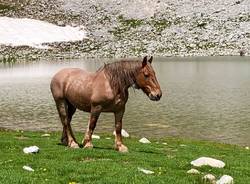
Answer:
(146, 76)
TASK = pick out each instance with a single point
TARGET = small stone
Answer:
(193, 171)
(45, 135)
(28, 168)
(145, 171)
(95, 136)
(202, 161)
(247, 148)
(31, 149)
(144, 140)
(225, 179)
(164, 143)
(124, 133)
(209, 178)
(242, 53)
(108, 138)
(60, 23)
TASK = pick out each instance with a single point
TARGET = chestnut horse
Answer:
(106, 90)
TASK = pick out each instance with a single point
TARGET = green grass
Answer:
(58, 164)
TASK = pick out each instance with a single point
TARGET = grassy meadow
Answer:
(169, 159)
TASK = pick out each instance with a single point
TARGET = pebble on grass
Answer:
(202, 161)
(145, 171)
(144, 140)
(31, 149)
(124, 133)
(28, 168)
(95, 136)
(193, 171)
(209, 178)
(225, 179)
(45, 135)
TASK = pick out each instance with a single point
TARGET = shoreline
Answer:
(13, 54)
(171, 137)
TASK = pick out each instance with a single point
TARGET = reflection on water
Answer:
(204, 98)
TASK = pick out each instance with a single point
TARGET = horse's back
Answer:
(62, 79)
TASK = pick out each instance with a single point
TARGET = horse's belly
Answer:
(80, 103)
(84, 107)
(79, 96)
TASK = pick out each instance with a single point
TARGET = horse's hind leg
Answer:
(66, 111)
(94, 115)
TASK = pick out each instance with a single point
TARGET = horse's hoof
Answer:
(122, 149)
(88, 145)
(73, 145)
(64, 141)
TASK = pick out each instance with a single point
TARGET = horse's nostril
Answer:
(158, 96)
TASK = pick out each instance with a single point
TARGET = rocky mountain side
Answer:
(122, 28)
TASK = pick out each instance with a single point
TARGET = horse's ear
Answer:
(150, 59)
(144, 61)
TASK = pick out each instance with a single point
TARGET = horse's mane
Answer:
(121, 73)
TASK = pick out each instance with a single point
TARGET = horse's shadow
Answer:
(95, 147)
(102, 148)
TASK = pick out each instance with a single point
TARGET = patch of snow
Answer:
(208, 161)
(144, 140)
(225, 179)
(35, 33)
(31, 149)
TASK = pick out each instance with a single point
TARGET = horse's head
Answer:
(146, 80)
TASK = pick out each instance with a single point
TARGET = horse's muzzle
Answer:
(155, 97)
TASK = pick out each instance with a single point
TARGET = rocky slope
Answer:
(121, 28)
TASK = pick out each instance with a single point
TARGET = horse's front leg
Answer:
(118, 127)
(94, 115)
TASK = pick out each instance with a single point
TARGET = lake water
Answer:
(203, 98)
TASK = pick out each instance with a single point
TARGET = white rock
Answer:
(225, 179)
(193, 171)
(144, 140)
(209, 177)
(247, 147)
(124, 133)
(95, 136)
(145, 171)
(208, 161)
(28, 168)
(164, 143)
(31, 149)
(108, 138)
(183, 145)
(45, 135)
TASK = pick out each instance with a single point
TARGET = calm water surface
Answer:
(203, 98)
